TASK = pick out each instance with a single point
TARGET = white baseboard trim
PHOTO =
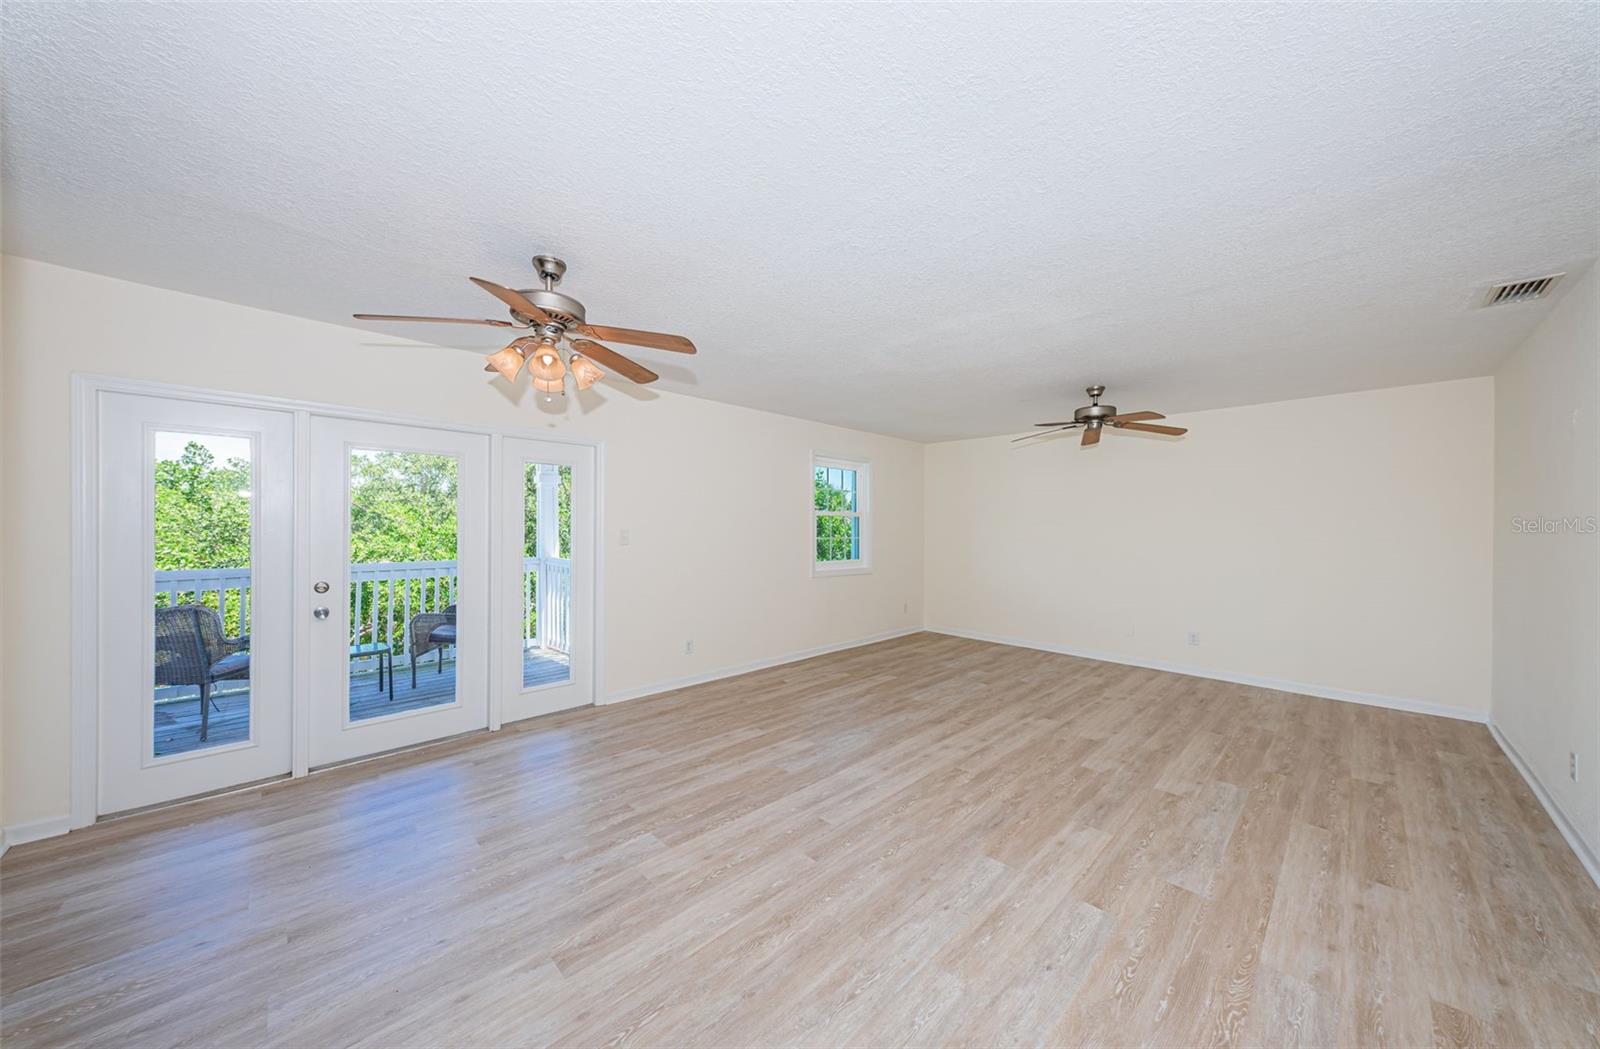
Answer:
(37, 830)
(1586, 856)
(1343, 695)
(748, 668)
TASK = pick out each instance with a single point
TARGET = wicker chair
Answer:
(428, 631)
(192, 649)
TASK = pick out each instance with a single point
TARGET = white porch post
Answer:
(549, 537)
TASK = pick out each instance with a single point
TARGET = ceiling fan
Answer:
(1094, 417)
(551, 348)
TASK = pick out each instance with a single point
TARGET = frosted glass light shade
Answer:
(585, 372)
(508, 362)
(544, 362)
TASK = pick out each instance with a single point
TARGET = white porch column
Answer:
(549, 539)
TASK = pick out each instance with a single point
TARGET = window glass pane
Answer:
(838, 537)
(203, 487)
(831, 493)
(837, 500)
(403, 581)
(547, 575)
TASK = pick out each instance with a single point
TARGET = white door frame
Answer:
(85, 643)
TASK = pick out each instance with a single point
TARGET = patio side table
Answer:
(385, 655)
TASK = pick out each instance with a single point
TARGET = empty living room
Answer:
(819, 524)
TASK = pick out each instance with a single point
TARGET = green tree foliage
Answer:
(402, 507)
(564, 511)
(202, 511)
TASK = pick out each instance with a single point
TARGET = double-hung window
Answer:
(841, 508)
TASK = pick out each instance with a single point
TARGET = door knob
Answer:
(320, 613)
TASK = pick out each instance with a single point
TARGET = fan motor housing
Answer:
(563, 308)
(1094, 412)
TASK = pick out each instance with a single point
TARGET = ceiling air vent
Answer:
(1521, 290)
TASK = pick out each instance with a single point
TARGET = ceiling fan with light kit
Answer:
(552, 347)
(1094, 417)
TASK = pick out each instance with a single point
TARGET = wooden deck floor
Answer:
(928, 841)
(177, 728)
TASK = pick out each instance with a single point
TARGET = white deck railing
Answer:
(229, 589)
(385, 595)
(549, 581)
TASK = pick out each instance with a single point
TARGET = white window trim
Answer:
(863, 469)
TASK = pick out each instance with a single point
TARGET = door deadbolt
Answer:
(320, 613)
(320, 587)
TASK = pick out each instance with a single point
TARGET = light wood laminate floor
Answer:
(928, 840)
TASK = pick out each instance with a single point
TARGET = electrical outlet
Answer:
(688, 647)
(905, 608)
(1194, 637)
(1572, 765)
(624, 538)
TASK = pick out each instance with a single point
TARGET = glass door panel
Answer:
(202, 490)
(404, 581)
(546, 574)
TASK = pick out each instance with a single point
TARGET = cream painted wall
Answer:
(715, 496)
(1547, 584)
(1335, 544)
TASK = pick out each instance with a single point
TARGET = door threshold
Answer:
(410, 748)
(285, 779)
(210, 795)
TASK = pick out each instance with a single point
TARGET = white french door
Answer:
(195, 519)
(399, 586)
(545, 568)
(446, 580)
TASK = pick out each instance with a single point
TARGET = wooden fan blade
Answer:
(1090, 436)
(609, 358)
(653, 339)
(1171, 431)
(1044, 433)
(431, 320)
(1056, 424)
(1133, 417)
(508, 362)
(515, 299)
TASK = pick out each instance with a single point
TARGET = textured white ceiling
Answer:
(926, 220)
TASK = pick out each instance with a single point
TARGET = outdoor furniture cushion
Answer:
(227, 666)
